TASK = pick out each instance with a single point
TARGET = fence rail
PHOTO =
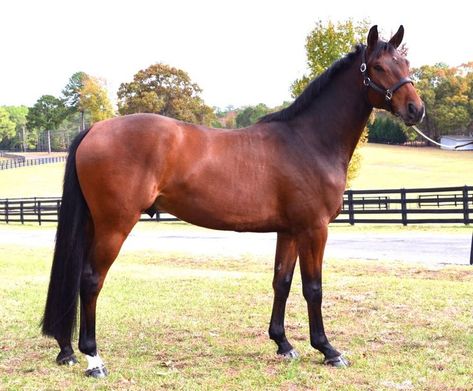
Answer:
(448, 205)
(23, 162)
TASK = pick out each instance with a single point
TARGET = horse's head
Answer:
(386, 75)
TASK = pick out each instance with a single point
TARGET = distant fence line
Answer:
(448, 205)
(21, 161)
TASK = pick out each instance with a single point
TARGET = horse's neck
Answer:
(335, 120)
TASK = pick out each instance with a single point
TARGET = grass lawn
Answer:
(32, 181)
(167, 322)
(388, 166)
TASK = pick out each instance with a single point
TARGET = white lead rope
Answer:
(436, 143)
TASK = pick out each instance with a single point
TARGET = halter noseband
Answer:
(387, 92)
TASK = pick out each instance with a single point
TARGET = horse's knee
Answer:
(282, 286)
(312, 291)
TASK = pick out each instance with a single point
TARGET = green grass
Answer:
(172, 322)
(386, 166)
(33, 181)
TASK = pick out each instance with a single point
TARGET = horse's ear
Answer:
(373, 36)
(397, 38)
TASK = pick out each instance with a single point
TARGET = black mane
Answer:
(315, 87)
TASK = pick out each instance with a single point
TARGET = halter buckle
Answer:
(367, 81)
(363, 67)
(389, 95)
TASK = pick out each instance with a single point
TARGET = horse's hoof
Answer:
(338, 362)
(97, 373)
(68, 360)
(290, 355)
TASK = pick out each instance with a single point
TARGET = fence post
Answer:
(403, 207)
(58, 206)
(22, 219)
(351, 210)
(471, 251)
(39, 212)
(6, 211)
(466, 217)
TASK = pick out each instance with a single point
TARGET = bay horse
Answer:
(284, 174)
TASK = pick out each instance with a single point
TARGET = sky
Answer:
(239, 52)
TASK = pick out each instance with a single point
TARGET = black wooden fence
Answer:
(22, 162)
(445, 205)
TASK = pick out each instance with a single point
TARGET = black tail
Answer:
(72, 245)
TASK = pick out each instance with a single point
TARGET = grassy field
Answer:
(33, 181)
(386, 166)
(167, 322)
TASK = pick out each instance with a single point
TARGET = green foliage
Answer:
(94, 100)
(72, 91)
(325, 44)
(250, 114)
(225, 118)
(385, 130)
(448, 97)
(165, 90)
(46, 114)
(17, 114)
(7, 126)
(87, 95)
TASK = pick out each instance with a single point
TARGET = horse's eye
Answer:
(378, 68)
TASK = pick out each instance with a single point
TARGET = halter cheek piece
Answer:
(387, 92)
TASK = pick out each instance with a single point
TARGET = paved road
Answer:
(420, 247)
(432, 248)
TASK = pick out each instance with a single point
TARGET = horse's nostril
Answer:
(412, 109)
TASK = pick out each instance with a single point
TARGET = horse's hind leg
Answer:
(66, 356)
(286, 255)
(108, 239)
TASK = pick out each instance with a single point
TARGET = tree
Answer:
(47, 114)
(164, 90)
(7, 126)
(448, 97)
(250, 114)
(94, 100)
(86, 95)
(386, 130)
(72, 91)
(17, 115)
(325, 44)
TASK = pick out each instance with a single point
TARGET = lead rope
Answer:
(439, 144)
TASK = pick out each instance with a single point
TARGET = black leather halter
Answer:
(387, 92)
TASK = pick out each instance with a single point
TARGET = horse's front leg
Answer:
(311, 245)
(286, 255)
